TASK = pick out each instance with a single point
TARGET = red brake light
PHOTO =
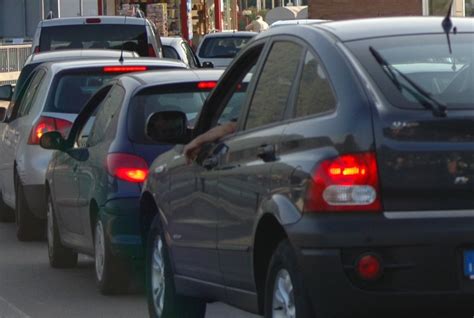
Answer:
(346, 183)
(151, 51)
(47, 124)
(93, 20)
(37, 49)
(207, 85)
(124, 69)
(127, 167)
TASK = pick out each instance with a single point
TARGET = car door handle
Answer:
(266, 153)
(210, 163)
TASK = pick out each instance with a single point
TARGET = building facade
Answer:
(350, 9)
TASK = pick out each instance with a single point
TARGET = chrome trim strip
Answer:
(397, 215)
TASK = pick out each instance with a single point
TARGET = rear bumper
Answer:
(121, 218)
(423, 265)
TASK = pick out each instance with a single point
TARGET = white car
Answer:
(221, 47)
(177, 48)
(49, 100)
(297, 21)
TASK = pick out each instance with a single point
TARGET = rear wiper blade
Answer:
(437, 107)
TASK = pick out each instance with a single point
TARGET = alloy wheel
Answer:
(283, 305)
(158, 283)
(99, 250)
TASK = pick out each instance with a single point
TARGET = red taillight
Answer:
(151, 51)
(124, 69)
(369, 267)
(346, 183)
(127, 167)
(37, 49)
(47, 124)
(206, 85)
(93, 20)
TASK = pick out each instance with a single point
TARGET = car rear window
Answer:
(223, 47)
(186, 97)
(424, 59)
(71, 90)
(170, 53)
(95, 36)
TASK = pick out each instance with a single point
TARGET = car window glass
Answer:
(274, 85)
(189, 54)
(14, 105)
(30, 93)
(314, 94)
(170, 53)
(223, 47)
(105, 115)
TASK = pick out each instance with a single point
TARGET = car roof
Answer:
(351, 30)
(230, 34)
(63, 55)
(83, 20)
(297, 21)
(90, 63)
(174, 76)
(168, 40)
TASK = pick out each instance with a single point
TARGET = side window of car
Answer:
(274, 85)
(105, 115)
(30, 93)
(189, 54)
(315, 95)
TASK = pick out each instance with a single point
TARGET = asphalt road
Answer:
(30, 288)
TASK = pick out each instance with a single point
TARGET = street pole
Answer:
(59, 8)
(42, 9)
(81, 8)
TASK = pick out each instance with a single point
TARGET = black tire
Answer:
(174, 305)
(59, 255)
(116, 272)
(284, 259)
(6, 214)
(28, 226)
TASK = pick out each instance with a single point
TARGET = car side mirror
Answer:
(207, 64)
(169, 127)
(6, 92)
(3, 114)
(53, 140)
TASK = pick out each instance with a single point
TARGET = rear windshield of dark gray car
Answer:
(95, 36)
(71, 90)
(425, 59)
(223, 47)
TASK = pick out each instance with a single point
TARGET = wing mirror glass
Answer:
(6, 92)
(207, 64)
(53, 140)
(168, 127)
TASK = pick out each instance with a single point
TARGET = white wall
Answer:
(71, 8)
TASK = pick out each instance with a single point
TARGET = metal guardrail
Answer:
(12, 59)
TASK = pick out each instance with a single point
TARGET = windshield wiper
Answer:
(437, 107)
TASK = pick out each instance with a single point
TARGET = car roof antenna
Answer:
(50, 15)
(123, 43)
(447, 25)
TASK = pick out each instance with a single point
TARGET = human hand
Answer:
(191, 151)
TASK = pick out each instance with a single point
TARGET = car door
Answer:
(66, 176)
(91, 172)
(12, 136)
(245, 172)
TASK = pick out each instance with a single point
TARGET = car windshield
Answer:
(70, 91)
(96, 36)
(425, 60)
(223, 47)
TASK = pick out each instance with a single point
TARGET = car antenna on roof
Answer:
(50, 15)
(123, 43)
